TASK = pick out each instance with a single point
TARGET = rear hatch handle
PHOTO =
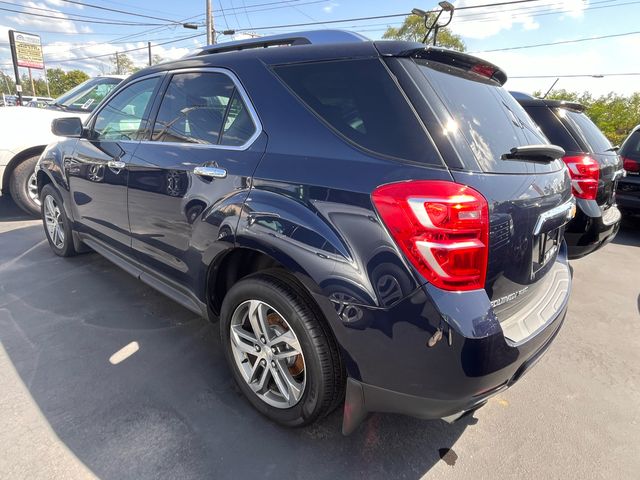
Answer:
(535, 153)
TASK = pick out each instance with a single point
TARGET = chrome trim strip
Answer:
(561, 210)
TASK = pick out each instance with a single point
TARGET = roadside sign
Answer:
(27, 49)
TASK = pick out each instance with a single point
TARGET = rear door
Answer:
(204, 146)
(475, 122)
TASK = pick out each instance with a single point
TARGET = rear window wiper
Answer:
(535, 153)
(615, 148)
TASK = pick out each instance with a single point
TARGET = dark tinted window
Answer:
(122, 116)
(203, 108)
(631, 146)
(552, 127)
(359, 99)
(491, 121)
(585, 129)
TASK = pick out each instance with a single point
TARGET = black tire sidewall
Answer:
(18, 185)
(262, 288)
(67, 250)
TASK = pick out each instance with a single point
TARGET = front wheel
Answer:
(281, 353)
(23, 186)
(56, 224)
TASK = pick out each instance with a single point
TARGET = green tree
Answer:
(156, 59)
(413, 29)
(122, 64)
(7, 84)
(61, 81)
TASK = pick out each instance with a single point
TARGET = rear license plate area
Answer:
(545, 248)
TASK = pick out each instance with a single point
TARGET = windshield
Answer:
(86, 96)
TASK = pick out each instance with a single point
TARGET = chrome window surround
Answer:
(245, 99)
(223, 71)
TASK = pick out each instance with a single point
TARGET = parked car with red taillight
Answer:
(594, 167)
(628, 191)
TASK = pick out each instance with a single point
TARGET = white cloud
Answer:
(489, 21)
(26, 22)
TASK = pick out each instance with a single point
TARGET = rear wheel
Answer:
(56, 224)
(23, 186)
(282, 356)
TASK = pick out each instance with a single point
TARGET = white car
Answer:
(25, 132)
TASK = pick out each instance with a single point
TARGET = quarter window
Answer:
(122, 116)
(203, 108)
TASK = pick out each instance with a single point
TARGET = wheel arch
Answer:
(17, 160)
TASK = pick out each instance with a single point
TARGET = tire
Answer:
(287, 313)
(22, 187)
(55, 222)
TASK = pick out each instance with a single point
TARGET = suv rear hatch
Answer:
(566, 125)
(476, 123)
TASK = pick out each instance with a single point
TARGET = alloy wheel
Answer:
(54, 221)
(268, 354)
(32, 189)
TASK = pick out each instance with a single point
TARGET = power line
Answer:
(84, 20)
(93, 57)
(124, 12)
(562, 42)
(579, 75)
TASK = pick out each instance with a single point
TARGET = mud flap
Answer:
(354, 408)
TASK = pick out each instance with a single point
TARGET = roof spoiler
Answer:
(573, 106)
(451, 58)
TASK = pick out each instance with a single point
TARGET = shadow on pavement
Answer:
(629, 233)
(9, 211)
(170, 409)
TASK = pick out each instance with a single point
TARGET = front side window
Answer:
(203, 108)
(122, 117)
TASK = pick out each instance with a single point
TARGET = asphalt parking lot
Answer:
(170, 410)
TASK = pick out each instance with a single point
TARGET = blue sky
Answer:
(482, 29)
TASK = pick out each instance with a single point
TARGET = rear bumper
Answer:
(362, 398)
(472, 362)
(591, 229)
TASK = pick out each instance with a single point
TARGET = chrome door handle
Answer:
(211, 172)
(116, 164)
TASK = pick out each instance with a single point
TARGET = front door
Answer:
(97, 171)
(205, 145)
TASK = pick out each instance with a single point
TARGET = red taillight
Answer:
(442, 227)
(585, 173)
(630, 165)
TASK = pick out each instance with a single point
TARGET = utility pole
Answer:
(149, 46)
(211, 31)
(16, 70)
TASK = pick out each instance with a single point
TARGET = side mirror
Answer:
(67, 127)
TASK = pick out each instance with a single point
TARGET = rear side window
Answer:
(631, 146)
(491, 121)
(553, 128)
(203, 108)
(586, 130)
(360, 100)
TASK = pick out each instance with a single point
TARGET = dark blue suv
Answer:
(374, 223)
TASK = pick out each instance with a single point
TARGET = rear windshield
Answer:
(359, 100)
(491, 121)
(631, 146)
(552, 127)
(585, 130)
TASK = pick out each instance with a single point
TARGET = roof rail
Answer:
(312, 37)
